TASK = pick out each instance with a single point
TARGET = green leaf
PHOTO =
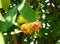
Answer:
(9, 19)
(2, 18)
(5, 4)
(58, 42)
(26, 11)
(1, 39)
(0, 4)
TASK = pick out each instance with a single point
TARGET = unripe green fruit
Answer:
(20, 19)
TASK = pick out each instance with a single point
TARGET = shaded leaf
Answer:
(26, 11)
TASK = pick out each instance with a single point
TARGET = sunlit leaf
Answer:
(1, 39)
(5, 4)
(0, 4)
(9, 19)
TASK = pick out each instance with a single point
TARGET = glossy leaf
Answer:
(9, 19)
(5, 4)
(29, 14)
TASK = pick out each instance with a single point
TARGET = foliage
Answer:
(45, 11)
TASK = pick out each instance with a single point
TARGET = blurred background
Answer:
(49, 13)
